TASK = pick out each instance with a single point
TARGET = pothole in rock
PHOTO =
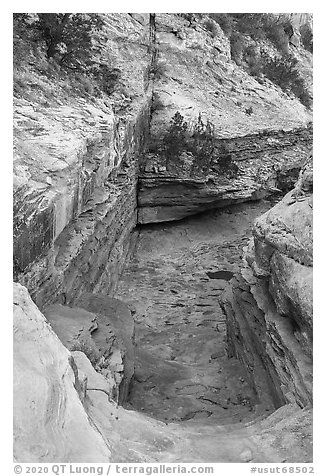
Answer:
(223, 274)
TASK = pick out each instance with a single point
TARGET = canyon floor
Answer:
(183, 376)
(182, 370)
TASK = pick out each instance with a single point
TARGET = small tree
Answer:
(200, 141)
(175, 139)
(225, 162)
(68, 36)
(251, 24)
(283, 72)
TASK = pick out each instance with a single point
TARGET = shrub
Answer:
(66, 42)
(68, 36)
(258, 26)
(175, 139)
(225, 163)
(252, 58)
(202, 144)
(199, 140)
(236, 43)
(276, 33)
(306, 37)
(211, 27)
(249, 111)
(224, 20)
(158, 70)
(283, 72)
(251, 24)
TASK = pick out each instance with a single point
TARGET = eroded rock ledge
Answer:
(267, 162)
(73, 233)
(269, 305)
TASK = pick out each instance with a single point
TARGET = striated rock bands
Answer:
(83, 180)
(273, 335)
(263, 160)
(90, 251)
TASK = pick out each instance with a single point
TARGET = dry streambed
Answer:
(172, 285)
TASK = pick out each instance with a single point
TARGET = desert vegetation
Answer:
(249, 35)
(198, 141)
(62, 47)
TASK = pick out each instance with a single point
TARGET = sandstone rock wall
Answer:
(199, 76)
(76, 157)
(269, 306)
(63, 411)
(76, 232)
(76, 160)
(50, 421)
(266, 161)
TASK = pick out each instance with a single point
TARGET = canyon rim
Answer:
(163, 243)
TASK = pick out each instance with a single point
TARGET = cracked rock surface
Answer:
(182, 369)
(74, 419)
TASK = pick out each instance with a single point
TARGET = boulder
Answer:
(104, 333)
(50, 421)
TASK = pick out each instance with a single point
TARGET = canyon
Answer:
(153, 305)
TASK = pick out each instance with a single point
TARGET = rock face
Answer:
(83, 180)
(63, 411)
(75, 174)
(265, 132)
(199, 76)
(76, 160)
(269, 305)
(50, 422)
(265, 161)
(105, 335)
(61, 264)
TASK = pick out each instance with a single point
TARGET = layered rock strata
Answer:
(266, 132)
(75, 233)
(76, 159)
(267, 162)
(76, 156)
(63, 411)
(269, 304)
